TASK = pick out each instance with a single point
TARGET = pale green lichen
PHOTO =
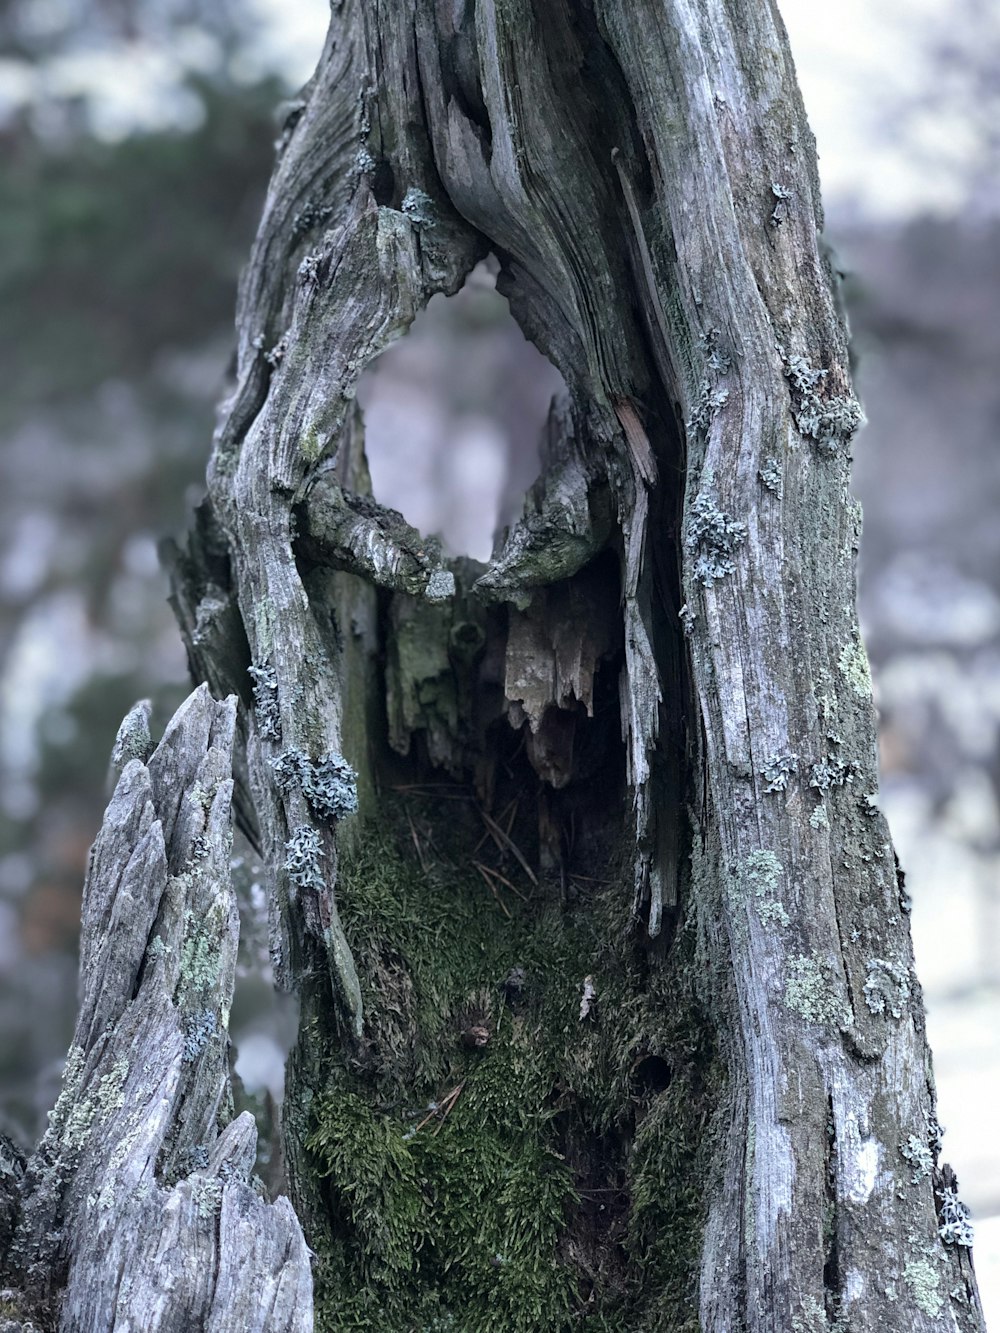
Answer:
(819, 818)
(310, 271)
(827, 704)
(718, 361)
(133, 740)
(266, 619)
(265, 699)
(199, 968)
(812, 1318)
(108, 1097)
(329, 783)
(419, 207)
(772, 913)
(200, 797)
(919, 1156)
(757, 880)
(72, 1076)
(809, 991)
(778, 769)
(332, 787)
(199, 1028)
(887, 987)
(853, 663)
(393, 234)
(311, 444)
(830, 772)
(276, 354)
(770, 476)
(922, 1279)
(308, 218)
(206, 1192)
(707, 406)
(830, 422)
(157, 948)
(711, 537)
(303, 852)
(440, 586)
(781, 197)
(956, 1221)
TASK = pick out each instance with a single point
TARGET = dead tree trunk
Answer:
(608, 1008)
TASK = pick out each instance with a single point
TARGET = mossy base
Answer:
(491, 1159)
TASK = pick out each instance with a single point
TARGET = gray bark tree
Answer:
(608, 1010)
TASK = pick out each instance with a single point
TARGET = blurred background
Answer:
(137, 139)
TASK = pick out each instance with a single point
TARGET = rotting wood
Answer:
(622, 162)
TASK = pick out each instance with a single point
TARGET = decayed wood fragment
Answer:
(138, 1209)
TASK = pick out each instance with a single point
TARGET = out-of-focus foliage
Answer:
(927, 468)
(118, 263)
(962, 95)
(110, 252)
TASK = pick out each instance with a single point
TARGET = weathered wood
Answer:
(138, 1209)
(645, 174)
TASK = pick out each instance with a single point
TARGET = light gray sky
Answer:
(850, 56)
(854, 59)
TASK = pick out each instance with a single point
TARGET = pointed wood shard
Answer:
(139, 1209)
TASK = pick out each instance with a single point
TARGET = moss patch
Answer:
(491, 1160)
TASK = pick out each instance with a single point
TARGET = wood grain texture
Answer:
(138, 1209)
(645, 174)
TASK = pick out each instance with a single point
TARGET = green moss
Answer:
(492, 1187)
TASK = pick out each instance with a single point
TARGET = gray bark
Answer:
(646, 177)
(137, 1209)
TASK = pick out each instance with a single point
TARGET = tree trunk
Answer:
(608, 1007)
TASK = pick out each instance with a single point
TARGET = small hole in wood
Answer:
(651, 1075)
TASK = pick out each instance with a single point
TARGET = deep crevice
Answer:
(832, 1276)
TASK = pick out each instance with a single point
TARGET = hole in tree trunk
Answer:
(453, 415)
(651, 1074)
